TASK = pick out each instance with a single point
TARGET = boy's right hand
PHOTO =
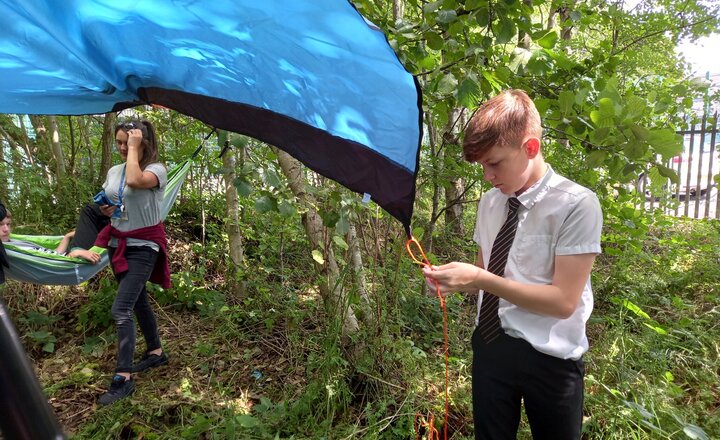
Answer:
(107, 210)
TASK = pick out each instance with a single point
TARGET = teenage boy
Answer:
(538, 235)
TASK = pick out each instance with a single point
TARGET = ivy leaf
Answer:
(318, 257)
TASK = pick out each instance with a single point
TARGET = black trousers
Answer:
(91, 221)
(508, 372)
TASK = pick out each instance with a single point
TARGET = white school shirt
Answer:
(556, 217)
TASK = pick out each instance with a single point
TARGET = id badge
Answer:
(123, 212)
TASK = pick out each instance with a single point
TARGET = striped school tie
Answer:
(489, 325)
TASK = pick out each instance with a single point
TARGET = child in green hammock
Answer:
(5, 230)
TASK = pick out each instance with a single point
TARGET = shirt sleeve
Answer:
(159, 170)
(581, 231)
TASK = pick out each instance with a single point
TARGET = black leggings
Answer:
(91, 221)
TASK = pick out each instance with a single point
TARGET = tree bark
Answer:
(331, 288)
(107, 142)
(232, 222)
(56, 148)
(455, 186)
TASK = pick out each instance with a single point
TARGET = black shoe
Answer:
(150, 361)
(119, 389)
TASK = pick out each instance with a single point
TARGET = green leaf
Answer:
(635, 150)
(447, 16)
(473, 4)
(640, 133)
(243, 187)
(343, 226)
(468, 93)
(566, 100)
(49, 347)
(330, 218)
(247, 421)
(434, 41)
(666, 143)
(596, 158)
(432, 6)
(286, 209)
(695, 432)
(668, 172)
(272, 179)
(548, 40)
(447, 84)
(265, 203)
(506, 31)
(318, 256)
(635, 106)
(340, 242)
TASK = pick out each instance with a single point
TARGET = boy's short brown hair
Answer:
(504, 120)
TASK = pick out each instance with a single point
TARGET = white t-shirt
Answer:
(142, 206)
(556, 217)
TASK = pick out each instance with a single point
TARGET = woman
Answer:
(137, 245)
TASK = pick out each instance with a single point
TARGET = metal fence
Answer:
(696, 193)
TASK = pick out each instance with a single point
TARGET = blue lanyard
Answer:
(122, 186)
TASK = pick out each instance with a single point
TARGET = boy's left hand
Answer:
(453, 277)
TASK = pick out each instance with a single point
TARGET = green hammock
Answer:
(39, 267)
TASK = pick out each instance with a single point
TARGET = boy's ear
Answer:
(533, 147)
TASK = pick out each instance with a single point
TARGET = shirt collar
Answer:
(537, 191)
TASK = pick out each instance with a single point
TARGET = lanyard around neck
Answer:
(122, 186)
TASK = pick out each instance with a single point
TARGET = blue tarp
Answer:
(311, 77)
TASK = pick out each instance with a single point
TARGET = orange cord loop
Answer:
(429, 422)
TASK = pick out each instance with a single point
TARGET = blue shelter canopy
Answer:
(312, 77)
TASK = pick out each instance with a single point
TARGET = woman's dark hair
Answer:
(149, 142)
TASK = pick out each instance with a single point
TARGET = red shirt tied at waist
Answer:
(161, 272)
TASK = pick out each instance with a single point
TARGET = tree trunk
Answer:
(455, 186)
(398, 9)
(331, 286)
(357, 265)
(107, 143)
(56, 148)
(232, 223)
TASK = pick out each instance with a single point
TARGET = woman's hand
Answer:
(134, 139)
(91, 256)
(107, 210)
(70, 234)
(455, 277)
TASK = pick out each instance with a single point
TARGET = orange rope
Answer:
(429, 424)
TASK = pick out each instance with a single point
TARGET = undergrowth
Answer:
(271, 363)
